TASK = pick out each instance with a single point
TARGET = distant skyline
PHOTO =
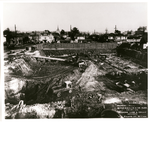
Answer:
(87, 17)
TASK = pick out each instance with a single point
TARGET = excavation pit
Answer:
(102, 82)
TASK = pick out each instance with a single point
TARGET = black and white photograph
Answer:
(75, 60)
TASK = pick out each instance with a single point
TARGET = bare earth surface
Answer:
(91, 88)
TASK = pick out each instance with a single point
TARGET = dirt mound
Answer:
(21, 67)
(88, 82)
(73, 77)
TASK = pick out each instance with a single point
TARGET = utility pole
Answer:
(106, 31)
(58, 31)
(70, 28)
(15, 35)
(115, 28)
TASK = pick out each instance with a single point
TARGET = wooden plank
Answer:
(50, 58)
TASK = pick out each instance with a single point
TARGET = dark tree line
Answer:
(10, 35)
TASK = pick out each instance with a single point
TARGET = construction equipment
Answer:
(65, 88)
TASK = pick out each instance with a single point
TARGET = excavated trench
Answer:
(29, 94)
(86, 82)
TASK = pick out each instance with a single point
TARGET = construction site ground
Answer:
(28, 82)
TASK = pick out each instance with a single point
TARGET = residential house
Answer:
(16, 38)
(80, 39)
(19, 38)
(120, 37)
(34, 36)
(111, 37)
(46, 37)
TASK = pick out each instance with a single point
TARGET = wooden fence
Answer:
(72, 48)
(81, 45)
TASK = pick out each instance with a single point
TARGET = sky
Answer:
(85, 16)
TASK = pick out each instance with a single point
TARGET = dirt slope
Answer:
(88, 82)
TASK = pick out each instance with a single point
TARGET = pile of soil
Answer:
(73, 77)
(21, 67)
(88, 81)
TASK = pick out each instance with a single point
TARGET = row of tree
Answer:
(10, 35)
(93, 37)
(71, 34)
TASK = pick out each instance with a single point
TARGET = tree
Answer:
(117, 32)
(129, 32)
(6, 32)
(71, 35)
(103, 38)
(74, 32)
(62, 32)
(8, 35)
(26, 39)
(94, 37)
(142, 29)
(56, 36)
